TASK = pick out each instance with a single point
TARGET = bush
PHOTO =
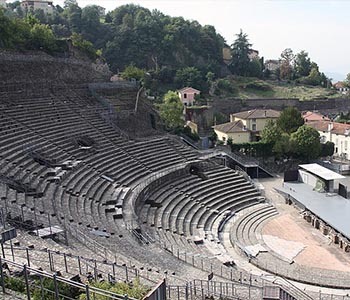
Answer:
(192, 135)
(48, 293)
(256, 149)
(260, 86)
(134, 289)
(226, 85)
(327, 149)
(15, 284)
(83, 45)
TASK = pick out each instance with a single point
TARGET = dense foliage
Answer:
(289, 137)
(255, 149)
(28, 33)
(173, 51)
(171, 110)
(290, 120)
(300, 68)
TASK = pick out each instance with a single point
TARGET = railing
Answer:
(56, 261)
(35, 281)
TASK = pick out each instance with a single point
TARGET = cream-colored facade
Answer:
(252, 124)
(237, 137)
(31, 5)
(337, 133)
(341, 143)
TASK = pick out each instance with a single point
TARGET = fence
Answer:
(61, 263)
(30, 281)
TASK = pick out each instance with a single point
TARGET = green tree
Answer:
(83, 45)
(282, 147)
(302, 64)
(189, 76)
(72, 13)
(290, 120)
(255, 68)
(271, 133)
(306, 142)
(171, 110)
(90, 22)
(42, 37)
(327, 149)
(286, 69)
(240, 59)
(132, 72)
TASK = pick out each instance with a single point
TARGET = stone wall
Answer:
(227, 106)
(17, 68)
(204, 117)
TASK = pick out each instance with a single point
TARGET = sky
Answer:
(319, 27)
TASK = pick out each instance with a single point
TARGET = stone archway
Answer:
(336, 239)
(317, 223)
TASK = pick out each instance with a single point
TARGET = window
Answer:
(254, 120)
(346, 146)
(185, 96)
(254, 127)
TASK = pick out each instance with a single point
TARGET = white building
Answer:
(32, 5)
(337, 133)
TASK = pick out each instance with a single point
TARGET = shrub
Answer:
(15, 284)
(48, 293)
(134, 289)
(226, 85)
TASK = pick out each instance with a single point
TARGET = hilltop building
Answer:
(187, 95)
(226, 54)
(272, 64)
(253, 54)
(341, 87)
(32, 5)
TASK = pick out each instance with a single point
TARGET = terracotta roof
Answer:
(231, 127)
(257, 114)
(339, 85)
(310, 116)
(189, 88)
(337, 128)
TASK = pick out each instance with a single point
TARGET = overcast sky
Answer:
(319, 27)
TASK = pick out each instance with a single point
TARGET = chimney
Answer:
(330, 126)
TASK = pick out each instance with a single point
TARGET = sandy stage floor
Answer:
(292, 237)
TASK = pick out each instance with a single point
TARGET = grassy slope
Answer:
(256, 88)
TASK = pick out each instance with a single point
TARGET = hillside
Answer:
(253, 88)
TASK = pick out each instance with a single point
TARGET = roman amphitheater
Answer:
(95, 189)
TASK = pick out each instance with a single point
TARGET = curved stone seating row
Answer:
(190, 205)
(245, 228)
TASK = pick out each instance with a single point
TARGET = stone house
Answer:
(32, 5)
